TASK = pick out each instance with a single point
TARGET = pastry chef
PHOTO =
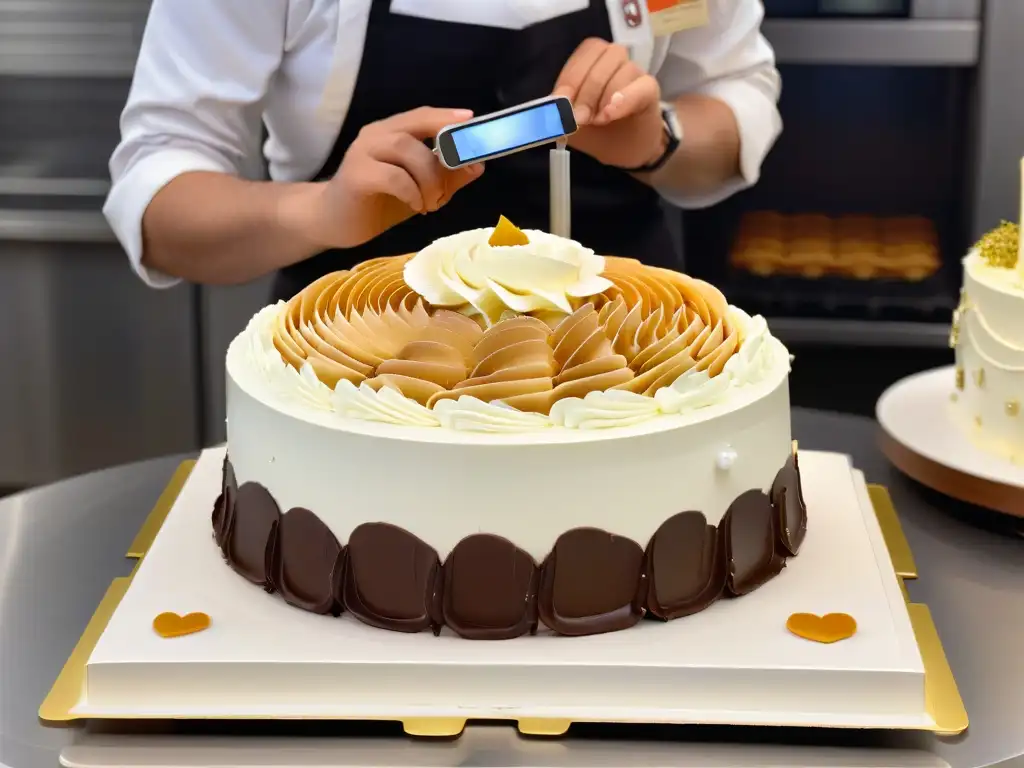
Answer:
(339, 98)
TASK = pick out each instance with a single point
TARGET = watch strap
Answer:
(673, 139)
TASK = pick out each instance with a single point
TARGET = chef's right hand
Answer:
(387, 175)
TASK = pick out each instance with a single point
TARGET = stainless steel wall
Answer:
(95, 369)
(71, 37)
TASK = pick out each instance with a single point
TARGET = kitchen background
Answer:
(904, 122)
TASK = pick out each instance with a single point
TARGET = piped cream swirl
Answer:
(465, 270)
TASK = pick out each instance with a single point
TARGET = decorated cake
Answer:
(988, 337)
(504, 433)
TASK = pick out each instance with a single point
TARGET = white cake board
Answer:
(481, 746)
(732, 664)
(923, 440)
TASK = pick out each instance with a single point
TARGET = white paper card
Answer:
(505, 14)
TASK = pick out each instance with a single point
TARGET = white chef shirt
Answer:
(211, 72)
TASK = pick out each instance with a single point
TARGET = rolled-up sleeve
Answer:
(195, 104)
(728, 59)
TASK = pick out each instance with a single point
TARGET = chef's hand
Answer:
(617, 105)
(387, 175)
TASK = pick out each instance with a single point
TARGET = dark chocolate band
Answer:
(749, 541)
(489, 589)
(787, 497)
(593, 582)
(251, 536)
(686, 566)
(392, 579)
(307, 560)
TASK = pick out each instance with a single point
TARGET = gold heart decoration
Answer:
(172, 625)
(829, 628)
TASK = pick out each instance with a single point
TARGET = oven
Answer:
(903, 129)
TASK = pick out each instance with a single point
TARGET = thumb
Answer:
(425, 122)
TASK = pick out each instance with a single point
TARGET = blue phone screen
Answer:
(508, 132)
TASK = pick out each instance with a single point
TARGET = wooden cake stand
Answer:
(918, 435)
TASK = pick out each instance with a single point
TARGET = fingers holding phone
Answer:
(389, 174)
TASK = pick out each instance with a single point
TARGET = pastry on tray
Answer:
(853, 246)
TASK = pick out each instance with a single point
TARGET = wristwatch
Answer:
(673, 135)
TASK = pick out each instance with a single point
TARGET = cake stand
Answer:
(262, 660)
(922, 440)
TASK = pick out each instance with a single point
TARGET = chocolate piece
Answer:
(685, 566)
(790, 509)
(392, 579)
(490, 589)
(307, 559)
(224, 507)
(251, 535)
(748, 530)
(592, 582)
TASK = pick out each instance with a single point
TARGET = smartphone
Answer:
(502, 133)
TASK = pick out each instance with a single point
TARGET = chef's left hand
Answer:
(617, 105)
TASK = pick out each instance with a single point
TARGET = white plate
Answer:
(915, 413)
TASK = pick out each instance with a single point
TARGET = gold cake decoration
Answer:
(960, 378)
(367, 325)
(958, 316)
(170, 624)
(979, 378)
(507, 234)
(999, 248)
(830, 628)
(1013, 408)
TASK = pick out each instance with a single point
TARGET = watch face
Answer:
(668, 116)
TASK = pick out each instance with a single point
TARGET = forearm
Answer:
(709, 154)
(215, 228)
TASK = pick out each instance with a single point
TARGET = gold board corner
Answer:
(147, 533)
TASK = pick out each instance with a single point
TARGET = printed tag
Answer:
(670, 16)
(631, 26)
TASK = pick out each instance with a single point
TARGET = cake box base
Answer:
(732, 664)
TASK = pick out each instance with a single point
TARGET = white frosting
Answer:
(529, 487)
(601, 410)
(759, 351)
(385, 405)
(272, 372)
(760, 356)
(693, 390)
(464, 271)
(990, 354)
(470, 414)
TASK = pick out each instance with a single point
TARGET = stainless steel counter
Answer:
(61, 545)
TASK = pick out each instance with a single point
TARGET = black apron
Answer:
(410, 62)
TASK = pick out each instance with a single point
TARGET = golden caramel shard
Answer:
(507, 234)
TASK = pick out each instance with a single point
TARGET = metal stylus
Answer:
(561, 206)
